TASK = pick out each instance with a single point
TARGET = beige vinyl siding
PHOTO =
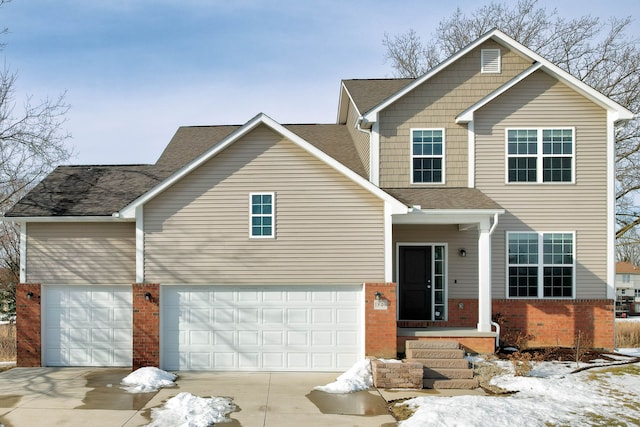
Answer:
(435, 104)
(542, 101)
(328, 229)
(462, 281)
(81, 253)
(360, 138)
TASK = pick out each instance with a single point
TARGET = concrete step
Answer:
(458, 384)
(434, 353)
(443, 363)
(430, 344)
(447, 373)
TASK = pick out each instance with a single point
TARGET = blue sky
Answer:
(136, 70)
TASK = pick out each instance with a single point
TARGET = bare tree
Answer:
(600, 53)
(32, 143)
(628, 247)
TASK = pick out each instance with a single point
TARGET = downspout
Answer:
(495, 324)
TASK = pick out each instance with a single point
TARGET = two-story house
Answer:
(627, 289)
(482, 191)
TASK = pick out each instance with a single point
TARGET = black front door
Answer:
(415, 282)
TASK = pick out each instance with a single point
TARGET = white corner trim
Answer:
(139, 244)
(23, 252)
(388, 243)
(611, 207)
(471, 154)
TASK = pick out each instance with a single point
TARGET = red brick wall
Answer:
(380, 325)
(558, 322)
(28, 326)
(146, 325)
(545, 322)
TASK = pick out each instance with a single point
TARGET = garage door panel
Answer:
(322, 360)
(87, 325)
(322, 316)
(261, 328)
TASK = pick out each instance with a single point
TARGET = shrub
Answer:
(7, 342)
(627, 334)
(522, 363)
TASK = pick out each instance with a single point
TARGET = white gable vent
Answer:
(490, 59)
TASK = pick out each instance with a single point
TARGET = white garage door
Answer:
(276, 328)
(87, 326)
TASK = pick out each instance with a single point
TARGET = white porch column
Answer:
(484, 276)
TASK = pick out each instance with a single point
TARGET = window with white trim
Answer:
(262, 217)
(540, 265)
(540, 155)
(427, 156)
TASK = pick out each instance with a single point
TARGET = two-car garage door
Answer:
(252, 328)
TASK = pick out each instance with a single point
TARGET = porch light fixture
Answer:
(378, 296)
(462, 252)
(29, 295)
(147, 296)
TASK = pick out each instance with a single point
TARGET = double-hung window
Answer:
(540, 265)
(262, 217)
(540, 155)
(427, 156)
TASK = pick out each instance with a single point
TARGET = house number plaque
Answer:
(380, 304)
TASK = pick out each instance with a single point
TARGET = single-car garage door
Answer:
(275, 328)
(87, 325)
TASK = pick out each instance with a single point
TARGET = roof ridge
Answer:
(379, 78)
(105, 165)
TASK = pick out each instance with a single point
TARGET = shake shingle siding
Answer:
(328, 229)
(435, 104)
(80, 254)
(360, 138)
(541, 101)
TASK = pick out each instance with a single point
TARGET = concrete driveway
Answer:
(92, 396)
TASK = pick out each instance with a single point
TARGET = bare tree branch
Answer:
(32, 142)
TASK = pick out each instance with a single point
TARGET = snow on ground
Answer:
(634, 352)
(549, 395)
(148, 379)
(182, 410)
(187, 410)
(358, 377)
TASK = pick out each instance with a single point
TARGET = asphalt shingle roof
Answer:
(87, 190)
(367, 93)
(104, 189)
(444, 198)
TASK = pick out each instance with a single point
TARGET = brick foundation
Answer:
(552, 322)
(557, 322)
(146, 325)
(380, 325)
(28, 325)
(397, 375)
